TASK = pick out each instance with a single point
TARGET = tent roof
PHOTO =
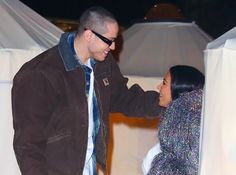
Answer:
(150, 49)
(227, 40)
(22, 28)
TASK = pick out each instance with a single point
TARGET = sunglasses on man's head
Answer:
(103, 38)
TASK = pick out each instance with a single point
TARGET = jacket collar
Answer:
(67, 52)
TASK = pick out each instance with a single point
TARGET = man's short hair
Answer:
(94, 18)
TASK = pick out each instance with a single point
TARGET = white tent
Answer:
(218, 150)
(149, 49)
(23, 35)
(23, 31)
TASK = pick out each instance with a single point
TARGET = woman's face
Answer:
(165, 91)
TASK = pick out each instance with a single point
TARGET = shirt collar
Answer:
(68, 54)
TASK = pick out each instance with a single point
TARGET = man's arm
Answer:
(132, 101)
(32, 104)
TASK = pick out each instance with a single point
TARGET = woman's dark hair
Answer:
(185, 79)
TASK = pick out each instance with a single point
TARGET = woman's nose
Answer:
(159, 87)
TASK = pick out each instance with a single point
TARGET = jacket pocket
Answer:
(61, 155)
(58, 137)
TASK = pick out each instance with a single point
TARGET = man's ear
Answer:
(88, 35)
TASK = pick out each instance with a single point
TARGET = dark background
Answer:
(215, 17)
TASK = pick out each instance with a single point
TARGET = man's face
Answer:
(101, 44)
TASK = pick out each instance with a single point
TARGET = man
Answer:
(62, 99)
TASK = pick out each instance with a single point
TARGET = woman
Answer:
(179, 129)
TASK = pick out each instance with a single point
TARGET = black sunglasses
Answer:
(103, 38)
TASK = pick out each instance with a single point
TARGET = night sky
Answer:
(213, 16)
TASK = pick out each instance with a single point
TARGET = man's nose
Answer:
(112, 46)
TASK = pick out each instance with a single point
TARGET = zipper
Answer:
(98, 97)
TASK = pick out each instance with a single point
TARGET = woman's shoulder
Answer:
(187, 106)
(189, 100)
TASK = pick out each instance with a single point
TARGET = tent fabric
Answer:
(227, 40)
(20, 23)
(149, 49)
(23, 35)
(12, 59)
(218, 143)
